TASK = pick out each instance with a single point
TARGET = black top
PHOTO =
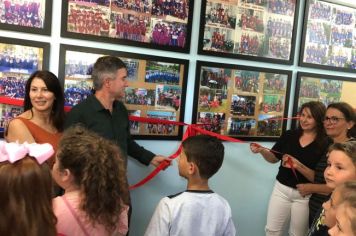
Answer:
(113, 126)
(309, 155)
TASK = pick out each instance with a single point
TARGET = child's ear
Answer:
(192, 168)
(66, 175)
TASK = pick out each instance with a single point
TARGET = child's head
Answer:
(26, 191)
(93, 165)
(345, 218)
(341, 192)
(341, 164)
(206, 152)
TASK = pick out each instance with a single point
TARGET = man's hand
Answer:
(158, 159)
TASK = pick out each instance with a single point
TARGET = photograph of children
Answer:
(77, 90)
(272, 103)
(161, 129)
(7, 113)
(275, 83)
(251, 19)
(242, 105)
(78, 84)
(12, 85)
(142, 6)
(20, 59)
(168, 97)
(168, 33)
(88, 18)
(29, 13)
(162, 72)
(329, 36)
(253, 43)
(134, 125)
(132, 68)
(212, 100)
(218, 39)
(269, 125)
(220, 15)
(246, 81)
(241, 126)
(131, 26)
(215, 78)
(214, 122)
(309, 88)
(139, 96)
(170, 9)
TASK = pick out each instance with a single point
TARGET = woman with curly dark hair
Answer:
(91, 171)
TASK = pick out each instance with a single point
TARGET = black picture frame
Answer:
(250, 30)
(18, 60)
(328, 40)
(325, 88)
(148, 94)
(33, 16)
(248, 103)
(143, 26)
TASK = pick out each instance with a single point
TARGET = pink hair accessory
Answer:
(13, 152)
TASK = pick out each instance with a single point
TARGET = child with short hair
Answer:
(345, 219)
(198, 210)
(90, 170)
(341, 167)
(26, 190)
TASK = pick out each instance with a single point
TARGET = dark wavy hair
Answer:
(98, 168)
(26, 199)
(349, 113)
(317, 110)
(57, 115)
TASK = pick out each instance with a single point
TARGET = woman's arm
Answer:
(17, 132)
(306, 189)
(267, 155)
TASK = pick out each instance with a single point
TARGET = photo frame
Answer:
(258, 30)
(156, 87)
(31, 16)
(163, 25)
(247, 103)
(325, 88)
(328, 40)
(18, 60)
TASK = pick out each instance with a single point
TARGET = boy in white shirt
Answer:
(198, 210)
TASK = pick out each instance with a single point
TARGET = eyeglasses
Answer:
(333, 119)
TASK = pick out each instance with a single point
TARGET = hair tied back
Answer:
(14, 151)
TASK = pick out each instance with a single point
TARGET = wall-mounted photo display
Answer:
(31, 16)
(18, 60)
(248, 103)
(325, 88)
(329, 36)
(155, 24)
(262, 30)
(157, 87)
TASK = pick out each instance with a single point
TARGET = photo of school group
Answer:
(29, 13)
(155, 87)
(7, 113)
(162, 22)
(241, 102)
(253, 28)
(326, 90)
(330, 35)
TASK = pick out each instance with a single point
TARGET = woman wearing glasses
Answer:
(339, 124)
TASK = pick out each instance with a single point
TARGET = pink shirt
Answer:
(67, 223)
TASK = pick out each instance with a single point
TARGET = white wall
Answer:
(245, 180)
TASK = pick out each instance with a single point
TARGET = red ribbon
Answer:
(192, 130)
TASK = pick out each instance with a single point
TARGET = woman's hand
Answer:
(288, 161)
(255, 147)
